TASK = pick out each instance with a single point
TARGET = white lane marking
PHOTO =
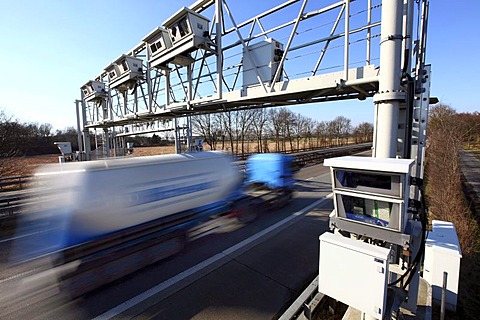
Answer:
(26, 235)
(17, 275)
(22, 236)
(185, 274)
(314, 177)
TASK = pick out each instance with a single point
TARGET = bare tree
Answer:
(276, 127)
(9, 146)
(298, 124)
(310, 125)
(287, 121)
(363, 132)
(259, 126)
(321, 133)
(227, 123)
(207, 126)
(469, 125)
(244, 123)
(45, 130)
(340, 128)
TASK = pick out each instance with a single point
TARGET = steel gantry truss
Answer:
(211, 57)
(296, 52)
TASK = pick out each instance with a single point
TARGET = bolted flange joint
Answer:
(386, 96)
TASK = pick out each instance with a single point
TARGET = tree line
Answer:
(240, 132)
(24, 139)
(448, 133)
(275, 130)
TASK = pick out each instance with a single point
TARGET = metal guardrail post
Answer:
(444, 292)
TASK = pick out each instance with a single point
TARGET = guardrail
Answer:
(308, 157)
(303, 307)
(14, 181)
(12, 202)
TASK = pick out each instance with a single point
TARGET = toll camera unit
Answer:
(188, 31)
(157, 42)
(124, 72)
(371, 197)
(261, 60)
(94, 91)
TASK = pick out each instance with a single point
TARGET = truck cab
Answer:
(273, 170)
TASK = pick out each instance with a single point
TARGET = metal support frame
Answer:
(347, 40)
(390, 93)
(419, 125)
(150, 100)
(289, 43)
(218, 42)
(78, 110)
(401, 108)
(86, 131)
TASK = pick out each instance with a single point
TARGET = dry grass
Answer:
(28, 165)
(447, 202)
(152, 151)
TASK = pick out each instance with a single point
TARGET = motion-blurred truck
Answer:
(108, 218)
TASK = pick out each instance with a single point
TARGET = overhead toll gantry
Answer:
(207, 58)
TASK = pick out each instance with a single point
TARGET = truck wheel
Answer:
(248, 213)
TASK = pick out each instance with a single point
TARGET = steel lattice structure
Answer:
(205, 58)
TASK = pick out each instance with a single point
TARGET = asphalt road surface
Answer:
(251, 271)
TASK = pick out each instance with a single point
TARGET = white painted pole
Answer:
(78, 105)
(218, 40)
(408, 11)
(369, 32)
(148, 77)
(86, 133)
(177, 137)
(106, 142)
(387, 99)
(189, 134)
(347, 40)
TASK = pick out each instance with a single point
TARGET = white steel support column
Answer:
(189, 84)
(189, 133)
(135, 100)
(408, 11)
(149, 84)
(178, 146)
(78, 105)
(167, 88)
(106, 142)
(389, 96)
(347, 40)
(218, 41)
(369, 32)
(86, 134)
(405, 113)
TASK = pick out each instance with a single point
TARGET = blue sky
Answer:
(49, 49)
